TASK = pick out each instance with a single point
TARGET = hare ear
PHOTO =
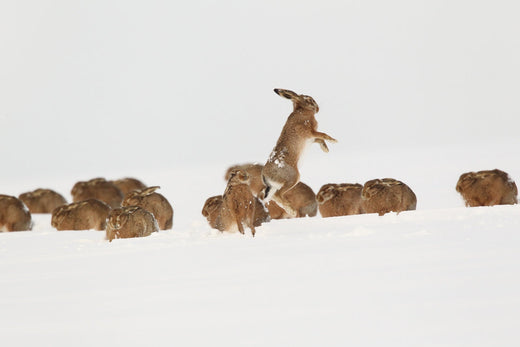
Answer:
(149, 190)
(244, 176)
(285, 93)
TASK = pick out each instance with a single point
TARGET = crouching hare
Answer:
(341, 199)
(487, 188)
(81, 215)
(128, 184)
(387, 195)
(14, 215)
(302, 199)
(280, 173)
(128, 222)
(153, 202)
(42, 200)
(97, 188)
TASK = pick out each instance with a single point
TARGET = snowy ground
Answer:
(443, 275)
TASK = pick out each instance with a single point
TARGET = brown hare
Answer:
(128, 184)
(153, 202)
(280, 173)
(340, 199)
(238, 203)
(301, 197)
(14, 215)
(487, 188)
(255, 175)
(42, 200)
(387, 195)
(81, 215)
(97, 188)
(212, 210)
(128, 222)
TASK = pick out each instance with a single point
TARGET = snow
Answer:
(441, 275)
(419, 91)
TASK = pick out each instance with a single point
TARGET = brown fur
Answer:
(386, 195)
(81, 215)
(302, 199)
(153, 202)
(238, 203)
(42, 200)
(100, 189)
(14, 215)
(132, 221)
(255, 174)
(128, 184)
(280, 172)
(340, 199)
(212, 210)
(487, 188)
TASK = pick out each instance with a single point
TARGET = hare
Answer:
(340, 199)
(14, 215)
(153, 202)
(42, 200)
(302, 199)
(385, 195)
(97, 188)
(255, 174)
(212, 210)
(81, 215)
(487, 188)
(280, 173)
(128, 184)
(132, 221)
(238, 203)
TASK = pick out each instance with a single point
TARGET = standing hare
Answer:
(281, 173)
(213, 211)
(238, 203)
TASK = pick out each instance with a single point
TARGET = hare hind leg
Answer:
(279, 198)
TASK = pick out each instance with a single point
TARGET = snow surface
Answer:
(442, 275)
(174, 93)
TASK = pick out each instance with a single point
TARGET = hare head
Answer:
(212, 204)
(299, 101)
(120, 216)
(326, 193)
(238, 177)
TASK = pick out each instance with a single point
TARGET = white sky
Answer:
(120, 85)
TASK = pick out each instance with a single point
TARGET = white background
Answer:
(98, 86)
